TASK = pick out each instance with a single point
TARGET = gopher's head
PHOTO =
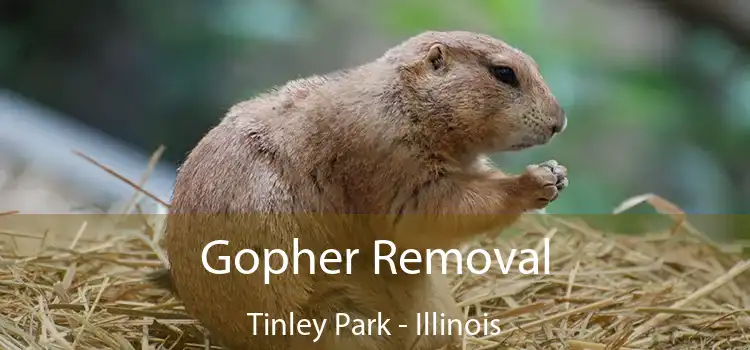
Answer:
(478, 89)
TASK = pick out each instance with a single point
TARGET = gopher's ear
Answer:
(436, 57)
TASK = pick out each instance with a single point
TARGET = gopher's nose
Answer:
(562, 122)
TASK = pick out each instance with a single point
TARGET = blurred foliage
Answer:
(163, 72)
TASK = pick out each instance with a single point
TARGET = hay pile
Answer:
(659, 291)
(675, 289)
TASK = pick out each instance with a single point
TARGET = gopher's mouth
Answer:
(529, 142)
(520, 146)
(526, 141)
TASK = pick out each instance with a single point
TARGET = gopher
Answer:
(395, 149)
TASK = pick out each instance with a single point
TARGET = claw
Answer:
(551, 163)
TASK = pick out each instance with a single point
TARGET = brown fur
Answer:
(401, 139)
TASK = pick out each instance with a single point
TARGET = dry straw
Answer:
(661, 290)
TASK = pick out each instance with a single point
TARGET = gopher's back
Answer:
(222, 191)
(276, 168)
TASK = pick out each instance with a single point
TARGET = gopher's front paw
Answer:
(542, 183)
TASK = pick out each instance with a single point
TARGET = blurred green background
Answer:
(657, 91)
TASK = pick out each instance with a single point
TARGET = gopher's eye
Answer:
(505, 75)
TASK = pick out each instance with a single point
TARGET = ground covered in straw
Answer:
(668, 290)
